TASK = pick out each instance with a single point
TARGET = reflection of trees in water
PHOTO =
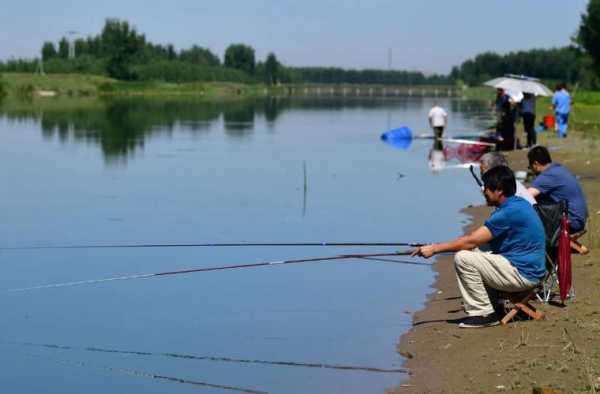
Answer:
(121, 126)
(239, 119)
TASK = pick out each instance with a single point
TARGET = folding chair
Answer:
(521, 303)
(550, 214)
(576, 245)
(543, 291)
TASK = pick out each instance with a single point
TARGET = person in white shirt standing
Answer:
(438, 120)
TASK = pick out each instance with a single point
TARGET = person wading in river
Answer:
(438, 120)
(516, 263)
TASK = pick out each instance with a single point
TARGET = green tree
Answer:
(588, 35)
(123, 45)
(81, 47)
(94, 46)
(271, 69)
(49, 51)
(171, 54)
(240, 57)
(63, 48)
(2, 88)
(198, 55)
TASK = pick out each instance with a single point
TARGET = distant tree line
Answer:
(577, 63)
(368, 76)
(121, 52)
(587, 40)
(2, 88)
(560, 64)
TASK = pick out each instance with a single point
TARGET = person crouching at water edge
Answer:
(516, 262)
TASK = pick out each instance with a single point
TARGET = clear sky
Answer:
(426, 35)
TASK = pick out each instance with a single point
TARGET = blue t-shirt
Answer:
(559, 184)
(561, 101)
(519, 236)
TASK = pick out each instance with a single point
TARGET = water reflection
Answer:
(121, 127)
(239, 118)
(437, 156)
(461, 154)
(444, 150)
(229, 177)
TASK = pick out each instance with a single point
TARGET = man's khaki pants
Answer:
(476, 270)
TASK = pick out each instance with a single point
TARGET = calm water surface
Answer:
(186, 172)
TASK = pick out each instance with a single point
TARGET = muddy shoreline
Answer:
(558, 354)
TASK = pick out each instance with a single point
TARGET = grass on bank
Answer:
(30, 84)
(585, 112)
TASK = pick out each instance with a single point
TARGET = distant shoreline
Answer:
(86, 85)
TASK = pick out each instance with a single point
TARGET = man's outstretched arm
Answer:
(466, 242)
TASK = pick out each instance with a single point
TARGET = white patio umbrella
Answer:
(520, 83)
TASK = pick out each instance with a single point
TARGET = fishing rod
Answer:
(320, 365)
(455, 139)
(225, 244)
(472, 170)
(208, 269)
(466, 142)
(150, 375)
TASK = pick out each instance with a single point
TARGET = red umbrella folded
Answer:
(564, 258)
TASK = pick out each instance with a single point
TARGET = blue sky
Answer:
(427, 35)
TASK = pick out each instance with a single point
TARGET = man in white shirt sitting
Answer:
(438, 120)
(495, 159)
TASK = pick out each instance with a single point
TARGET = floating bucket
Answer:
(400, 138)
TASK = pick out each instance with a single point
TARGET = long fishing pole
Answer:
(208, 269)
(212, 244)
(466, 142)
(151, 375)
(320, 365)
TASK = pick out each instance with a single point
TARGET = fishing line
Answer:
(220, 359)
(192, 245)
(396, 261)
(208, 269)
(137, 373)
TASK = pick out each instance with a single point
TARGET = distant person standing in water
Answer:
(527, 109)
(438, 120)
(561, 102)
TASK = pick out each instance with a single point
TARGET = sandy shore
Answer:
(558, 354)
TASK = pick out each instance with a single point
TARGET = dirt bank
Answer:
(559, 354)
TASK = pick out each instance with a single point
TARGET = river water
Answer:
(89, 172)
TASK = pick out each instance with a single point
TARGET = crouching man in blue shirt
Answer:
(516, 262)
(556, 183)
